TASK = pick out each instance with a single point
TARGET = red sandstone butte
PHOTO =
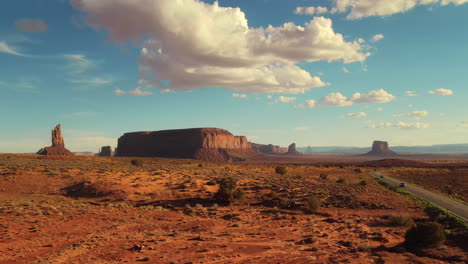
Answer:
(210, 144)
(58, 144)
(380, 148)
(292, 150)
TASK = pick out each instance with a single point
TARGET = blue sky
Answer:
(334, 75)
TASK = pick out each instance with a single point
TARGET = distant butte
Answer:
(210, 144)
(106, 151)
(380, 148)
(58, 144)
(292, 150)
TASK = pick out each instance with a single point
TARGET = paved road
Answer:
(450, 205)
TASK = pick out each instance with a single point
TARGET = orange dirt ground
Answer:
(164, 212)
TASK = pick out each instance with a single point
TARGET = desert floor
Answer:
(106, 210)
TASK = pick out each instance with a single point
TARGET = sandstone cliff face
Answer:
(268, 149)
(106, 151)
(380, 148)
(58, 144)
(211, 144)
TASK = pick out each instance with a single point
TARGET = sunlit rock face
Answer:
(211, 144)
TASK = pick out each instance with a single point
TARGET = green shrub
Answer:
(137, 162)
(363, 183)
(432, 212)
(425, 235)
(358, 170)
(312, 204)
(281, 170)
(228, 192)
(400, 220)
(323, 176)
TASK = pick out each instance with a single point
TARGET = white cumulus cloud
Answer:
(377, 37)
(417, 125)
(191, 44)
(335, 99)
(402, 125)
(441, 91)
(379, 96)
(365, 8)
(119, 92)
(307, 104)
(284, 99)
(356, 115)
(310, 10)
(415, 114)
(139, 92)
(410, 93)
(339, 100)
(310, 103)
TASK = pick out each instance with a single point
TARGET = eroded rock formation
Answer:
(292, 150)
(268, 149)
(211, 144)
(106, 151)
(58, 144)
(380, 148)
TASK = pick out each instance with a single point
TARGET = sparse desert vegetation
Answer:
(107, 210)
(452, 182)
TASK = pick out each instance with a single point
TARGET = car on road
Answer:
(402, 184)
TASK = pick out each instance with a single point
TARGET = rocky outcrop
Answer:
(58, 144)
(268, 149)
(106, 151)
(292, 150)
(309, 150)
(210, 144)
(380, 148)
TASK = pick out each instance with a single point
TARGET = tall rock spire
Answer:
(57, 139)
(58, 144)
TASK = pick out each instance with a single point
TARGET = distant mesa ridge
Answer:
(380, 148)
(210, 144)
(58, 144)
(271, 149)
(268, 149)
(431, 149)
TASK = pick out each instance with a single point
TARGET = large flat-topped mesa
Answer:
(211, 144)
(380, 148)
